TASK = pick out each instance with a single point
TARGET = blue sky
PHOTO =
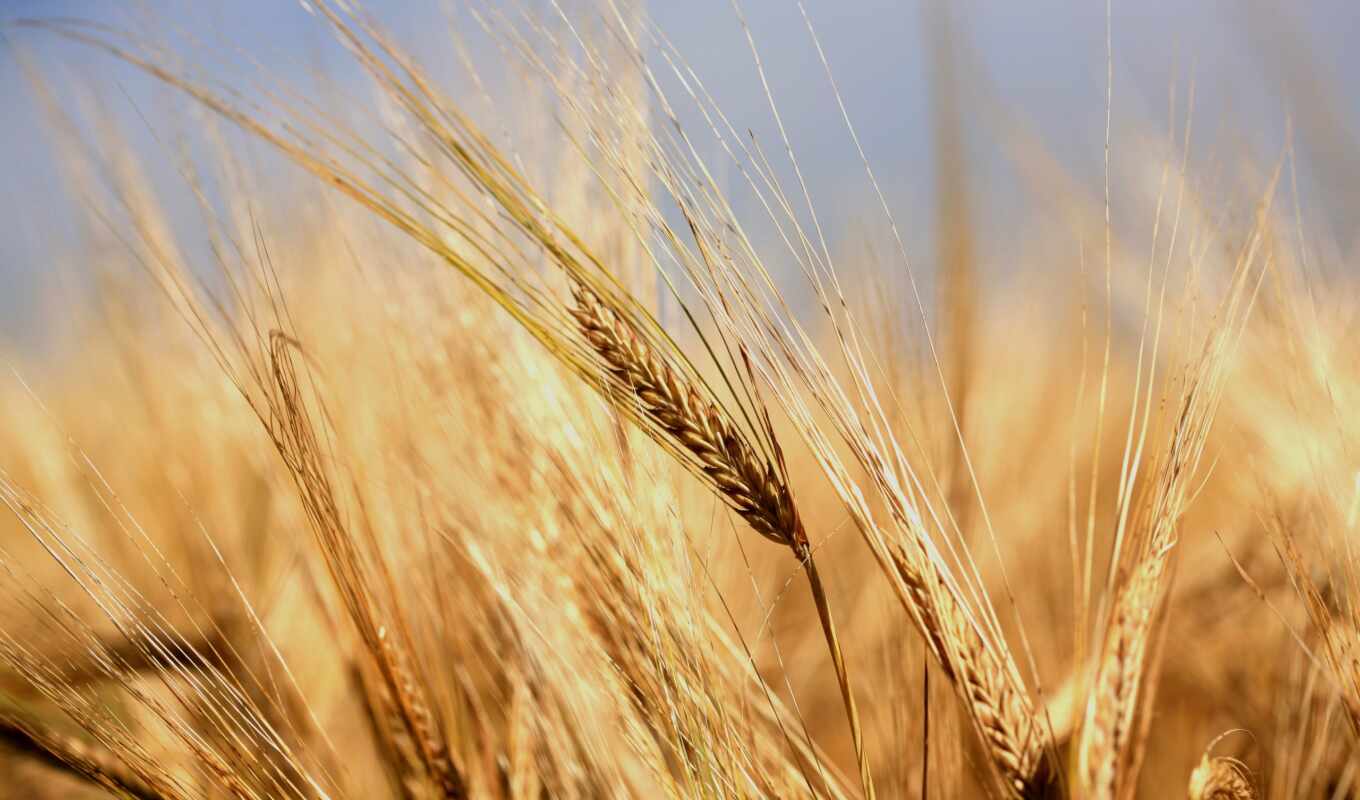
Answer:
(1043, 60)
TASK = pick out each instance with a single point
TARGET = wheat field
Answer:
(407, 435)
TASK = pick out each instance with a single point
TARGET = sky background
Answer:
(1039, 62)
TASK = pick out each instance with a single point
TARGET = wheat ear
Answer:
(979, 666)
(1220, 779)
(1001, 710)
(1115, 692)
(295, 439)
(87, 759)
(748, 482)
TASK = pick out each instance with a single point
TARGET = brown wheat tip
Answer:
(1220, 779)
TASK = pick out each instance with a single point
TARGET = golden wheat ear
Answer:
(1220, 779)
(79, 756)
(364, 583)
(752, 485)
(1114, 731)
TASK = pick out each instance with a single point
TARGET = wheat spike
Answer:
(981, 669)
(1220, 779)
(1114, 695)
(1000, 708)
(750, 484)
(409, 698)
(87, 759)
(295, 439)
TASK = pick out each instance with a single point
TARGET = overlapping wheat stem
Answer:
(750, 483)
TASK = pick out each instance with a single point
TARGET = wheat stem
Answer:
(749, 483)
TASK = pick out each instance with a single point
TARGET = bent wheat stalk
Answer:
(752, 485)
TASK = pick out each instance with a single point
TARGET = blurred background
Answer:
(984, 91)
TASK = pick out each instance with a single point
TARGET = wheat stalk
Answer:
(751, 484)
